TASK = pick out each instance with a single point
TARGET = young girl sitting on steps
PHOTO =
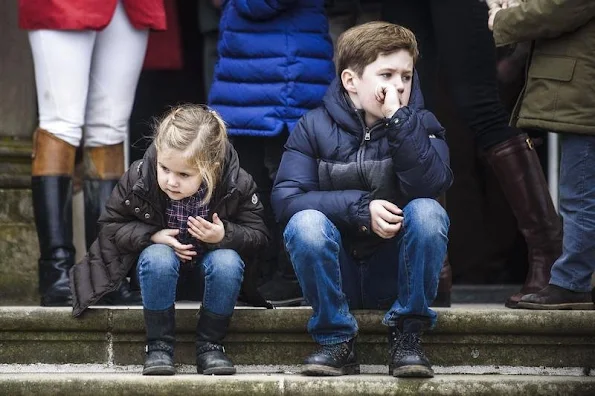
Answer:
(187, 202)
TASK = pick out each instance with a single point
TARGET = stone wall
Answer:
(18, 112)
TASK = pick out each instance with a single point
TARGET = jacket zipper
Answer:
(221, 201)
(361, 150)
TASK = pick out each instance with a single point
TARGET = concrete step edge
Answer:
(284, 369)
(100, 384)
(291, 320)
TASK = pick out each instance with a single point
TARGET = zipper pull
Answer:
(367, 135)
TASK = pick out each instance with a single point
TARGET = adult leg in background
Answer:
(62, 61)
(570, 284)
(116, 64)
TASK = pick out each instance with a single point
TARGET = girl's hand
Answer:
(167, 237)
(206, 231)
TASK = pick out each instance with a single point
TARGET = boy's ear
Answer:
(348, 77)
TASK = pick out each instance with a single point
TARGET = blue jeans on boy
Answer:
(573, 270)
(158, 271)
(403, 274)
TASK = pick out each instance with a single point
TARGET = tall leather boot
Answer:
(519, 172)
(445, 280)
(104, 165)
(444, 286)
(210, 354)
(51, 185)
(161, 336)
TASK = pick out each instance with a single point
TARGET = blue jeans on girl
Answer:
(158, 271)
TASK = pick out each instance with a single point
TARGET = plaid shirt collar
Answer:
(177, 214)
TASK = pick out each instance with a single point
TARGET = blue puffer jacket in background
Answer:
(335, 164)
(275, 63)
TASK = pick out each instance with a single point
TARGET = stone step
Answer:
(466, 336)
(110, 382)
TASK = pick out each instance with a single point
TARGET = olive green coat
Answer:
(559, 93)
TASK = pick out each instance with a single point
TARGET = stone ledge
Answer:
(99, 384)
(463, 337)
(293, 320)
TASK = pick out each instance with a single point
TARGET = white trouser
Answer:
(87, 79)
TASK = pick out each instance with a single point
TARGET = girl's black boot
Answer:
(210, 353)
(160, 326)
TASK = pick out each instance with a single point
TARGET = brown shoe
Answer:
(556, 297)
(519, 173)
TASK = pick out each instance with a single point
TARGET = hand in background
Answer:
(492, 17)
(495, 6)
(217, 3)
(386, 218)
(387, 95)
(206, 231)
(168, 237)
(502, 3)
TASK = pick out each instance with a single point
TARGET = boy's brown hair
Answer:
(359, 46)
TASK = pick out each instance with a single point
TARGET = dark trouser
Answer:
(454, 34)
(260, 157)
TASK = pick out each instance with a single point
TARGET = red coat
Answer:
(88, 14)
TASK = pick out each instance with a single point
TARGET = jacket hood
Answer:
(342, 110)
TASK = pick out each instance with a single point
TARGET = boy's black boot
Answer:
(335, 359)
(161, 336)
(407, 358)
(210, 353)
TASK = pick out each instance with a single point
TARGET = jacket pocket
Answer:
(559, 68)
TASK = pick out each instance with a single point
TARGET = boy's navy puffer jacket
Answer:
(329, 165)
(275, 63)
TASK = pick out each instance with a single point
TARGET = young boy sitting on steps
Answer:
(356, 189)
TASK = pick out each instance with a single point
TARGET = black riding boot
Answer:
(210, 354)
(51, 185)
(103, 167)
(161, 336)
(52, 205)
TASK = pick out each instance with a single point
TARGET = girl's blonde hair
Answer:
(200, 134)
